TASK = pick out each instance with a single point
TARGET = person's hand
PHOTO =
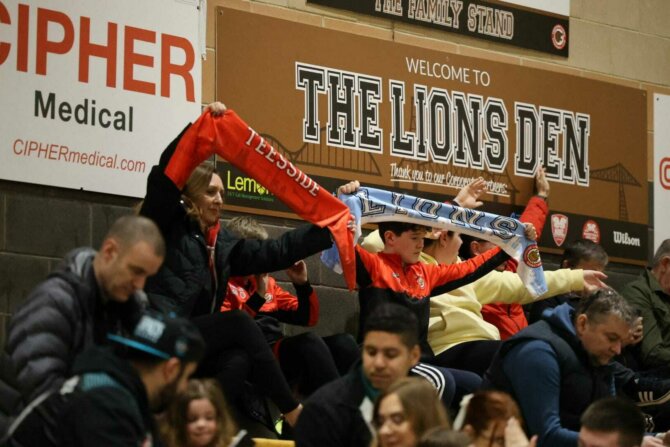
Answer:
(261, 284)
(468, 196)
(515, 436)
(292, 416)
(349, 188)
(651, 441)
(529, 231)
(593, 280)
(636, 332)
(541, 183)
(297, 273)
(351, 223)
(666, 438)
(216, 108)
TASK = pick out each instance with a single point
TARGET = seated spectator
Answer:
(492, 418)
(199, 417)
(509, 317)
(650, 294)
(341, 412)
(405, 411)
(457, 333)
(185, 199)
(580, 254)
(112, 396)
(557, 367)
(614, 422)
(444, 437)
(395, 275)
(88, 295)
(305, 359)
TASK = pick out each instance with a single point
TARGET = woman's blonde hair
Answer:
(420, 402)
(197, 185)
(173, 427)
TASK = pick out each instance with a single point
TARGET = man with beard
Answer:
(111, 399)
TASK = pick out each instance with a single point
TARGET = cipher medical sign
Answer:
(342, 106)
(92, 91)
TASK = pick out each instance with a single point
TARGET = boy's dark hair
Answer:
(583, 250)
(394, 319)
(464, 252)
(399, 228)
(617, 415)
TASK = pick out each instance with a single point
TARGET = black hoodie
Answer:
(108, 406)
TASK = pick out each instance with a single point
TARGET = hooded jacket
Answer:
(60, 318)
(548, 371)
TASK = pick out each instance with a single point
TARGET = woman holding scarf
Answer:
(185, 198)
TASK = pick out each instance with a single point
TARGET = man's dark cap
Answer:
(164, 336)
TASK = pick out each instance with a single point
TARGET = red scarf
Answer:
(232, 139)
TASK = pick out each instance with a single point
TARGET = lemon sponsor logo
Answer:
(244, 184)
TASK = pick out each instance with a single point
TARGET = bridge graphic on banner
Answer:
(323, 156)
(617, 174)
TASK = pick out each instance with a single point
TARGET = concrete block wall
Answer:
(40, 224)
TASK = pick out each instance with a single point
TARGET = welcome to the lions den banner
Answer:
(342, 106)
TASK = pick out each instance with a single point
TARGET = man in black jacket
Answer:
(90, 294)
(111, 399)
(340, 413)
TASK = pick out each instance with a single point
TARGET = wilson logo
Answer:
(624, 239)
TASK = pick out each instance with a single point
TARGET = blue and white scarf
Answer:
(370, 205)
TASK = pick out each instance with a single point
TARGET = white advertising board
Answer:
(661, 169)
(92, 91)
(561, 7)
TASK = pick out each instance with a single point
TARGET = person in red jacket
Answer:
(510, 318)
(307, 360)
